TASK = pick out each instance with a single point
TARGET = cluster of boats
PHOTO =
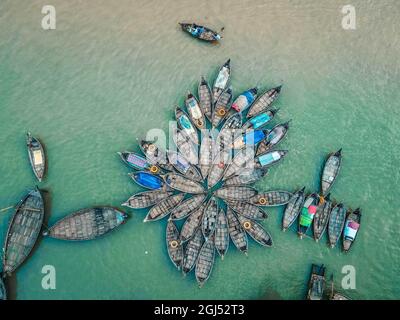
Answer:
(319, 213)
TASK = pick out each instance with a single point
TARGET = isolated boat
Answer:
(206, 154)
(330, 171)
(256, 231)
(183, 166)
(235, 193)
(205, 261)
(222, 107)
(192, 223)
(222, 234)
(351, 227)
(192, 251)
(146, 199)
(174, 247)
(249, 138)
(37, 156)
(194, 110)
(23, 231)
(271, 198)
(316, 285)
(322, 217)
(236, 232)
(264, 101)
(149, 181)
(275, 135)
(138, 162)
(180, 183)
(200, 32)
(186, 125)
(222, 80)
(3, 291)
(307, 214)
(186, 146)
(293, 209)
(209, 218)
(246, 177)
(186, 207)
(248, 210)
(205, 98)
(260, 120)
(244, 100)
(336, 224)
(164, 207)
(155, 154)
(87, 224)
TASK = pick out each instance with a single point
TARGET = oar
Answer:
(6, 209)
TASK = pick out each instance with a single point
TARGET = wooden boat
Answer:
(336, 295)
(206, 154)
(266, 160)
(260, 120)
(186, 207)
(322, 217)
(264, 101)
(194, 110)
(249, 138)
(155, 154)
(222, 106)
(183, 166)
(186, 146)
(164, 207)
(271, 198)
(37, 156)
(316, 285)
(307, 214)
(293, 209)
(222, 234)
(275, 135)
(246, 177)
(235, 193)
(192, 250)
(200, 32)
(149, 181)
(228, 132)
(239, 163)
(209, 220)
(351, 227)
(174, 247)
(180, 183)
(331, 171)
(87, 224)
(138, 162)
(218, 168)
(256, 231)
(205, 261)
(3, 291)
(222, 80)
(248, 210)
(192, 223)
(146, 199)
(186, 125)
(236, 232)
(23, 231)
(336, 224)
(205, 98)
(244, 100)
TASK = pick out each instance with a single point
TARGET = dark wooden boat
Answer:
(174, 247)
(222, 234)
(23, 231)
(222, 80)
(164, 207)
(246, 177)
(155, 154)
(37, 156)
(149, 181)
(236, 232)
(192, 223)
(206, 153)
(186, 146)
(218, 168)
(239, 163)
(87, 224)
(186, 207)
(3, 291)
(260, 120)
(236, 193)
(183, 166)
(322, 217)
(248, 210)
(200, 32)
(205, 261)
(264, 101)
(222, 107)
(351, 228)
(183, 184)
(336, 224)
(209, 218)
(146, 199)
(336, 295)
(275, 135)
(138, 162)
(316, 285)
(307, 214)
(229, 131)
(244, 100)
(195, 112)
(293, 209)
(192, 250)
(186, 125)
(271, 198)
(256, 231)
(331, 171)
(205, 98)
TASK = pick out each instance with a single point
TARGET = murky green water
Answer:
(110, 72)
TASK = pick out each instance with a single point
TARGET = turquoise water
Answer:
(109, 73)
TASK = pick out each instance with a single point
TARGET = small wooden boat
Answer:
(222, 234)
(205, 98)
(336, 224)
(236, 193)
(256, 231)
(186, 146)
(336, 295)
(249, 138)
(264, 101)
(200, 32)
(164, 207)
(275, 135)
(222, 80)
(246, 177)
(180, 183)
(239, 163)
(155, 154)
(236, 232)
(149, 181)
(146, 199)
(37, 156)
(192, 223)
(271, 198)
(209, 218)
(260, 120)
(186, 125)
(206, 153)
(138, 162)
(87, 224)
(23, 231)
(244, 100)
(186, 207)
(268, 159)
(195, 112)
(174, 247)
(351, 227)
(205, 261)
(228, 133)
(183, 166)
(192, 250)
(293, 209)
(322, 217)
(218, 168)
(307, 214)
(316, 285)
(331, 171)
(248, 210)
(3, 291)
(222, 106)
